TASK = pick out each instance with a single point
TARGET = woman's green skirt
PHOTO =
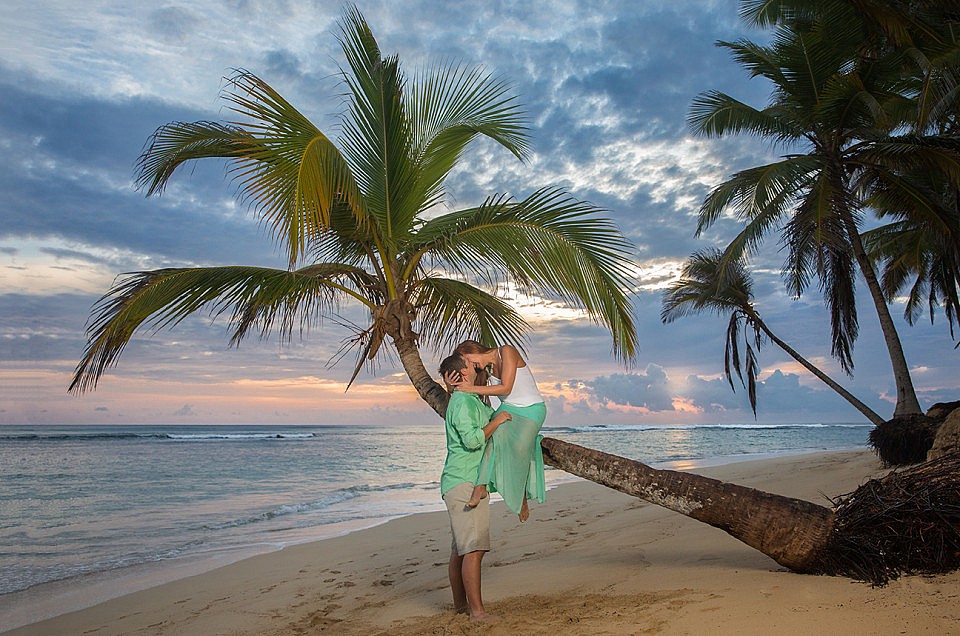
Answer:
(512, 463)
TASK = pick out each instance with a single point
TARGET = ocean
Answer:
(95, 500)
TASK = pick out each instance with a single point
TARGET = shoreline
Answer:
(578, 541)
(54, 598)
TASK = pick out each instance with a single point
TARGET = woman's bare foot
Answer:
(484, 618)
(479, 494)
(524, 511)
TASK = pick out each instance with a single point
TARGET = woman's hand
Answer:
(457, 381)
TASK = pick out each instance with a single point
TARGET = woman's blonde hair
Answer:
(472, 346)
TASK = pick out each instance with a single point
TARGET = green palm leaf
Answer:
(760, 196)
(550, 244)
(450, 107)
(162, 298)
(376, 133)
(288, 170)
(714, 114)
(455, 310)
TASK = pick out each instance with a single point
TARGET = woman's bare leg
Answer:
(479, 494)
(524, 510)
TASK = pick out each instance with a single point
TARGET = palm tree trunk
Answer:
(431, 391)
(907, 403)
(826, 379)
(793, 532)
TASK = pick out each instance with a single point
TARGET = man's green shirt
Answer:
(466, 417)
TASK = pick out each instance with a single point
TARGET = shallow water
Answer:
(82, 500)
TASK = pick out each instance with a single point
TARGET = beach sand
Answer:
(589, 561)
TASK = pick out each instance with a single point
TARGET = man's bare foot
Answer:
(462, 609)
(479, 494)
(524, 511)
(484, 618)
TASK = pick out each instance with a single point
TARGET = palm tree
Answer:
(841, 115)
(359, 223)
(709, 283)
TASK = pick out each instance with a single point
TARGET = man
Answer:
(468, 427)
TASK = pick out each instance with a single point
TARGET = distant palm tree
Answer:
(362, 222)
(842, 115)
(711, 283)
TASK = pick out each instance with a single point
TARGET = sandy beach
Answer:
(590, 561)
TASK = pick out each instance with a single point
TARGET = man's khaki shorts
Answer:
(470, 526)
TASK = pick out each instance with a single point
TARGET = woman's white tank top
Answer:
(525, 391)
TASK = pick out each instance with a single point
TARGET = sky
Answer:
(607, 87)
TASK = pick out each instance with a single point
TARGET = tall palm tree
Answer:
(359, 221)
(709, 283)
(840, 115)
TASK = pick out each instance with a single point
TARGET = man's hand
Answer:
(501, 417)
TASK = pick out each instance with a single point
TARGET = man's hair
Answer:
(452, 363)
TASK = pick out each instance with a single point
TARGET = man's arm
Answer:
(468, 422)
(498, 419)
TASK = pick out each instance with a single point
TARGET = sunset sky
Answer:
(607, 86)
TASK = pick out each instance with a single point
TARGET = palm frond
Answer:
(163, 298)
(176, 143)
(936, 153)
(451, 106)
(760, 195)
(286, 169)
(294, 175)
(709, 281)
(376, 131)
(549, 244)
(714, 114)
(454, 311)
(731, 358)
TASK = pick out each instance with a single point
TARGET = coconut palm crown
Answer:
(359, 220)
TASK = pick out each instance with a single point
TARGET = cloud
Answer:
(184, 411)
(780, 396)
(647, 390)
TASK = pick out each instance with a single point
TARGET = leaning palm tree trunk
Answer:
(906, 522)
(792, 532)
(869, 413)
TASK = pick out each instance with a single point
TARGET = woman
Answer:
(512, 462)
